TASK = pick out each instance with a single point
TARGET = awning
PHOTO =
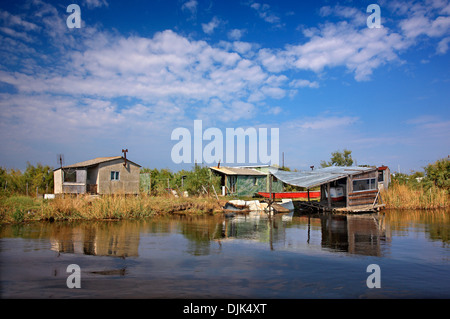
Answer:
(309, 179)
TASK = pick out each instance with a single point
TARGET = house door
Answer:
(233, 180)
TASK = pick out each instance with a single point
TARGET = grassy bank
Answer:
(404, 196)
(20, 208)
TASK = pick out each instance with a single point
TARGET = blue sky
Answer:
(137, 70)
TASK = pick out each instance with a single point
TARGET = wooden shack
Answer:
(101, 175)
(346, 189)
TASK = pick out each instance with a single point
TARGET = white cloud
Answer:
(430, 18)
(95, 3)
(209, 27)
(191, 6)
(275, 110)
(299, 83)
(360, 50)
(265, 13)
(327, 123)
(443, 45)
(11, 20)
(236, 34)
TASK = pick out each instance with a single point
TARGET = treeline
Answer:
(197, 181)
(436, 174)
(35, 178)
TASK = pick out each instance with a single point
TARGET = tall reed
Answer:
(404, 196)
(103, 207)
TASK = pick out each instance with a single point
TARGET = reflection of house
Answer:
(97, 240)
(245, 180)
(356, 234)
(342, 188)
(102, 175)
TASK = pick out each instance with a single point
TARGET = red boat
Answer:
(302, 194)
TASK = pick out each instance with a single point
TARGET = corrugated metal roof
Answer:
(96, 161)
(237, 171)
(319, 176)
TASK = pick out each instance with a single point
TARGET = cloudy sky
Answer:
(137, 70)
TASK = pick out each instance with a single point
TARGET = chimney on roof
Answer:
(124, 157)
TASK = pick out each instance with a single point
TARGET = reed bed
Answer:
(22, 208)
(404, 196)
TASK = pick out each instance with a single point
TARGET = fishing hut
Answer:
(342, 189)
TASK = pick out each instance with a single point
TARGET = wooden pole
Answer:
(308, 196)
(348, 190)
(214, 189)
(329, 195)
(150, 184)
(270, 190)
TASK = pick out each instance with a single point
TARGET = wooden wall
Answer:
(361, 197)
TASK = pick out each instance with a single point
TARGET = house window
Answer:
(114, 175)
(360, 185)
(381, 176)
(255, 181)
(70, 176)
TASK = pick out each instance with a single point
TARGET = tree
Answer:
(439, 173)
(339, 159)
(201, 177)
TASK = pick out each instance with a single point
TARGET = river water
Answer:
(248, 256)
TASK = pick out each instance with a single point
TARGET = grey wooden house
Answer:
(101, 175)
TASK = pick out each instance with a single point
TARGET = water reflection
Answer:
(98, 239)
(355, 234)
(367, 235)
(360, 234)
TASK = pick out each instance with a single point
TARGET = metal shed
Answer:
(245, 181)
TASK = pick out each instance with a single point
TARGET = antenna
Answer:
(60, 160)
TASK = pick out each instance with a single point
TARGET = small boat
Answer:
(287, 203)
(232, 208)
(337, 194)
(300, 194)
(279, 208)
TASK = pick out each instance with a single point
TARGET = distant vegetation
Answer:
(421, 190)
(14, 181)
(338, 158)
(197, 181)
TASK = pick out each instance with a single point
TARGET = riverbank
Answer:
(20, 208)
